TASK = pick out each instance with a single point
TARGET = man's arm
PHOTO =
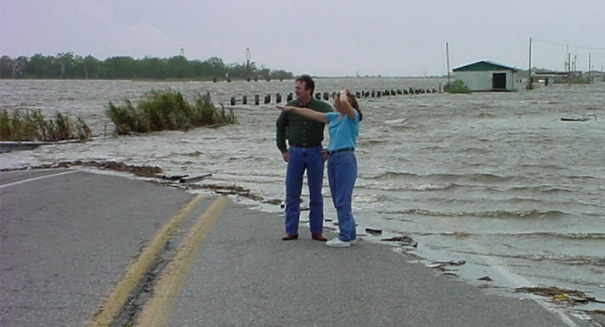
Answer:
(280, 132)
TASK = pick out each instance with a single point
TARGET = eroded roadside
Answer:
(156, 173)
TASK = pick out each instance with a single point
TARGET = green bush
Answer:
(32, 126)
(457, 86)
(167, 110)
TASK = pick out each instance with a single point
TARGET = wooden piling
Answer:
(327, 95)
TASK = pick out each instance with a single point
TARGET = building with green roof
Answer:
(487, 75)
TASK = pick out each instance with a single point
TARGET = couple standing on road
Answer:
(301, 123)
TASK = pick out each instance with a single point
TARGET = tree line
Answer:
(69, 66)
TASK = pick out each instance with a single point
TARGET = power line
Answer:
(569, 45)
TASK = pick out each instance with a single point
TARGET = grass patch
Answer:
(457, 86)
(31, 125)
(167, 110)
(572, 80)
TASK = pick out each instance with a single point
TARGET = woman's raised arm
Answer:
(346, 107)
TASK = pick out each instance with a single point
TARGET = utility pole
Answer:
(248, 64)
(589, 74)
(447, 56)
(567, 59)
(568, 68)
(530, 84)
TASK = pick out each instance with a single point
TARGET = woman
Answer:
(343, 128)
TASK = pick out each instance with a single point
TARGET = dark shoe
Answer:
(318, 237)
(289, 237)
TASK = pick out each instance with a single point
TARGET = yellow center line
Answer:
(131, 276)
(157, 310)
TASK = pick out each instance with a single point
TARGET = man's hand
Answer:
(285, 156)
(324, 155)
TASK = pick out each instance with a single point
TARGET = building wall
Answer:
(482, 80)
(593, 74)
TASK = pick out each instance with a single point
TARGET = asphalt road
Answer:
(84, 249)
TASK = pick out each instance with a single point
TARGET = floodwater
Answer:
(495, 179)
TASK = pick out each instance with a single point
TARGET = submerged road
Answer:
(85, 249)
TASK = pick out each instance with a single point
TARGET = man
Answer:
(305, 152)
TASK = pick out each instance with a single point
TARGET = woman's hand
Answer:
(344, 95)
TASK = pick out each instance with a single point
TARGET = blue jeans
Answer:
(299, 160)
(342, 173)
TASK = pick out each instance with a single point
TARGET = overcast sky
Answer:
(319, 37)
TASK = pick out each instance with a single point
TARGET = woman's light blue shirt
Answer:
(343, 130)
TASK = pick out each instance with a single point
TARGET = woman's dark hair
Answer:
(309, 83)
(360, 114)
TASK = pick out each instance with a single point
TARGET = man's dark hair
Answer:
(309, 83)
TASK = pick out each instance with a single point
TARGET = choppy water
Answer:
(496, 179)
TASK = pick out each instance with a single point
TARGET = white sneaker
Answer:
(337, 243)
(353, 242)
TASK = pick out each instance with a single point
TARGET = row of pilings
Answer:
(268, 98)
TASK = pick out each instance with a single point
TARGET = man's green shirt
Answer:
(299, 130)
